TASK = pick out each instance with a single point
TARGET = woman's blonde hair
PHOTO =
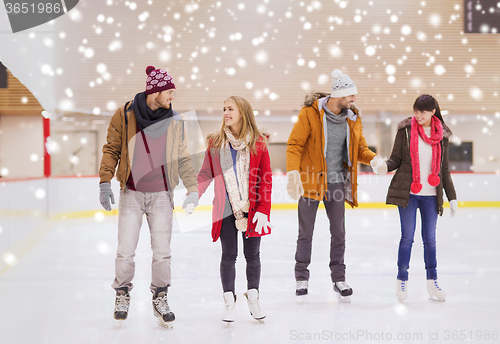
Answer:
(249, 125)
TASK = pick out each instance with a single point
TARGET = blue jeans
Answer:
(408, 218)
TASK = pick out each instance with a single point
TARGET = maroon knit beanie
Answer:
(158, 80)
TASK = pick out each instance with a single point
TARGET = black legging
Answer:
(229, 243)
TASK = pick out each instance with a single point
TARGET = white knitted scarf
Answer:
(237, 189)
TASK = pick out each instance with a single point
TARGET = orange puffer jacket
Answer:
(306, 152)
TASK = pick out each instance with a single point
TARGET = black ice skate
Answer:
(343, 291)
(300, 288)
(122, 302)
(161, 308)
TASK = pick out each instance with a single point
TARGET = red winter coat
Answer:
(259, 189)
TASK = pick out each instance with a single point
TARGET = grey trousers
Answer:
(335, 210)
(157, 206)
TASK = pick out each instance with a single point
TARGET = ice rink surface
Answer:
(59, 291)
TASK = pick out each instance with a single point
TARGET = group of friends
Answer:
(146, 149)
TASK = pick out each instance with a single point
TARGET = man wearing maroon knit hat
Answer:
(147, 141)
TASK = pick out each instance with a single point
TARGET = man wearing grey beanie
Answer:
(322, 153)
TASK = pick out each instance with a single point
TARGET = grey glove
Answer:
(105, 195)
(191, 198)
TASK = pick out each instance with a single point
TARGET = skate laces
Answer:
(342, 285)
(402, 285)
(122, 303)
(254, 306)
(254, 303)
(161, 304)
(301, 285)
(436, 286)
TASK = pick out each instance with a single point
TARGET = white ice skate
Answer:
(401, 290)
(230, 302)
(435, 291)
(162, 310)
(252, 296)
(343, 291)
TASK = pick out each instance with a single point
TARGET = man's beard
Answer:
(345, 106)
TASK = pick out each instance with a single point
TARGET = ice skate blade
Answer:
(343, 299)
(165, 324)
(261, 320)
(120, 316)
(402, 298)
(302, 298)
(436, 299)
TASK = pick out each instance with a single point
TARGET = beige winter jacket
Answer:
(119, 150)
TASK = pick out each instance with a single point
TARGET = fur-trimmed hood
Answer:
(407, 123)
(312, 97)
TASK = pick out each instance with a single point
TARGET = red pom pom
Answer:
(150, 69)
(434, 180)
(416, 187)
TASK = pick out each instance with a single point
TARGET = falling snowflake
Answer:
(323, 79)
(305, 86)
(335, 50)
(241, 62)
(421, 36)
(406, 30)
(8, 257)
(390, 69)
(40, 193)
(261, 56)
(371, 50)
(111, 105)
(115, 45)
(435, 20)
(469, 69)
(476, 93)
(439, 70)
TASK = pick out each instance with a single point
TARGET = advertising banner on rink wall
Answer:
(481, 16)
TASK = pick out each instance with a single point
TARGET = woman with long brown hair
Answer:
(238, 160)
(420, 155)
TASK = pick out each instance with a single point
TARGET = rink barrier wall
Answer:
(29, 206)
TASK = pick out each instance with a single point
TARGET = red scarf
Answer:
(434, 141)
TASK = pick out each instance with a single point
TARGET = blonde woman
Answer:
(238, 160)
